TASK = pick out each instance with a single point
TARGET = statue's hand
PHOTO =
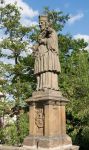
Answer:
(42, 41)
(34, 47)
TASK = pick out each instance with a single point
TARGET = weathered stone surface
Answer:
(12, 148)
(47, 65)
(68, 147)
(48, 142)
(47, 120)
(47, 95)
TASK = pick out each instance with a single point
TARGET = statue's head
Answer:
(43, 21)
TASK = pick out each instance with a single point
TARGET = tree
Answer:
(73, 82)
(15, 42)
(76, 90)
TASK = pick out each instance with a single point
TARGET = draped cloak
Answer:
(46, 55)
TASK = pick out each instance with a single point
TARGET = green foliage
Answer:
(15, 84)
(9, 134)
(23, 126)
(2, 136)
(74, 81)
(17, 44)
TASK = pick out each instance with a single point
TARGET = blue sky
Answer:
(76, 8)
(78, 24)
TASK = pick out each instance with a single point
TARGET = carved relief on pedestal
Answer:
(39, 120)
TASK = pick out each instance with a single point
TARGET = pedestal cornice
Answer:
(48, 96)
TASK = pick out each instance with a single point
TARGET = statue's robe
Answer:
(46, 56)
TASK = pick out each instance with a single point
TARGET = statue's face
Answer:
(42, 25)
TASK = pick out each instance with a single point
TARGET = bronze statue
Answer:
(47, 65)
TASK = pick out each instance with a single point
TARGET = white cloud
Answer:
(27, 22)
(75, 18)
(83, 36)
(27, 13)
(26, 10)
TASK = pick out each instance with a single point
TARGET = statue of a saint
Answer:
(47, 65)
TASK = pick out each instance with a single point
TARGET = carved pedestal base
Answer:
(47, 142)
(68, 147)
(47, 121)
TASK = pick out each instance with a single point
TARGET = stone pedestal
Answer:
(47, 126)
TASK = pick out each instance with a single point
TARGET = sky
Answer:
(78, 24)
(77, 9)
